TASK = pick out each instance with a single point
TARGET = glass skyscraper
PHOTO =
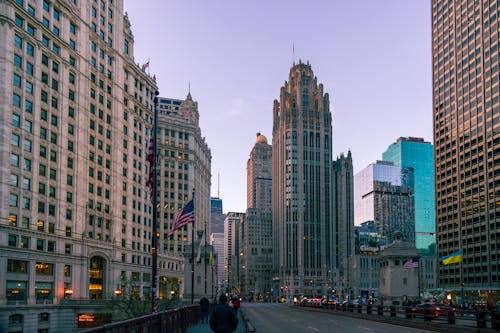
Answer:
(418, 154)
(383, 193)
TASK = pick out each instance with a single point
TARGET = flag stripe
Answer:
(412, 263)
(185, 216)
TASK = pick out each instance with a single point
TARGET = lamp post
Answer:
(200, 235)
(154, 238)
(462, 292)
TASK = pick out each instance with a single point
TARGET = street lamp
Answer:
(462, 292)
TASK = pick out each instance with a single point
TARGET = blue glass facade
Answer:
(419, 155)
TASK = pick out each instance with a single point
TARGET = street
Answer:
(272, 318)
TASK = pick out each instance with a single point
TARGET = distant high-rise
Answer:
(418, 154)
(341, 277)
(256, 231)
(216, 205)
(231, 251)
(302, 203)
(466, 114)
(383, 193)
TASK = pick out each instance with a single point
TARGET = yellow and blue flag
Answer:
(453, 258)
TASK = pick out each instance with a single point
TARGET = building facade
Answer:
(467, 137)
(302, 204)
(341, 276)
(183, 169)
(383, 193)
(256, 231)
(75, 116)
(231, 271)
(419, 155)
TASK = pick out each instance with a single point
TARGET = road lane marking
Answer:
(366, 328)
(313, 328)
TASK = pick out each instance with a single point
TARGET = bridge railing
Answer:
(479, 318)
(171, 321)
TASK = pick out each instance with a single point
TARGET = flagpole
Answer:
(192, 253)
(205, 255)
(154, 236)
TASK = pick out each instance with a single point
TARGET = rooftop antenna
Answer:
(189, 87)
(218, 185)
(293, 52)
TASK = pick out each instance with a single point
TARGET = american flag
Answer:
(150, 159)
(412, 263)
(185, 216)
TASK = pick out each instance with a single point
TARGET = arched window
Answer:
(96, 277)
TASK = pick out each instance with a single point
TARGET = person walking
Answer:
(236, 304)
(223, 318)
(205, 306)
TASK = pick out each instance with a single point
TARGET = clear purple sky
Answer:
(372, 56)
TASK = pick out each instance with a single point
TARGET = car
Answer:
(435, 310)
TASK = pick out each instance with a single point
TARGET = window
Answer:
(43, 268)
(12, 240)
(67, 270)
(17, 266)
(24, 242)
(16, 100)
(30, 49)
(72, 28)
(30, 29)
(29, 68)
(43, 292)
(16, 292)
(18, 61)
(26, 184)
(13, 200)
(51, 246)
(16, 81)
(14, 140)
(14, 180)
(18, 41)
(19, 22)
(40, 244)
(14, 160)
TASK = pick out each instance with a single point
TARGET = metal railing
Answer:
(479, 318)
(171, 321)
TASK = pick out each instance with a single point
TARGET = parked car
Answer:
(435, 310)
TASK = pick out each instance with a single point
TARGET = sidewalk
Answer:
(205, 328)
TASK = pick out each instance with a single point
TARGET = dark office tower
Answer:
(302, 175)
(216, 215)
(467, 140)
(343, 232)
(215, 205)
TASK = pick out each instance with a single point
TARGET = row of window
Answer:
(24, 242)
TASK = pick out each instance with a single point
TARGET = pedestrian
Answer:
(236, 303)
(223, 318)
(205, 305)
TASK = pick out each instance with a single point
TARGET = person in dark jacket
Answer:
(205, 306)
(223, 318)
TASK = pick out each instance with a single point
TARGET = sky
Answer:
(372, 56)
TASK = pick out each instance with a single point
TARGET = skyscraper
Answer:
(418, 154)
(75, 116)
(466, 115)
(184, 165)
(340, 277)
(302, 200)
(256, 230)
(231, 251)
(383, 193)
